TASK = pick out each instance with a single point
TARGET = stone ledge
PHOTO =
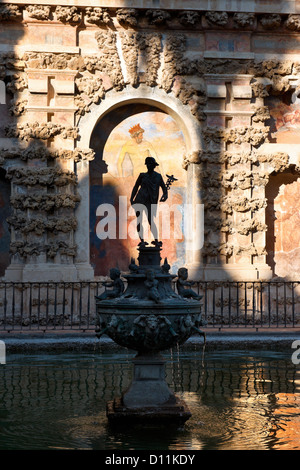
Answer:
(249, 6)
(228, 55)
(273, 339)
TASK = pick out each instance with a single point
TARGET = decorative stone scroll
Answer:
(293, 22)
(189, 18)
(254, 136)
(10, 12)
(243, 20)
(150, 45)
(109, 61)
(271, 21)
(216, 17)
(68, 14)
(158, 17)
(174, 50)
(127, 16)
(97, 15)
(40, 12)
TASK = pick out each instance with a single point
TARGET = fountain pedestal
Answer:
(148, 398)
(148, 387)
(148, 317)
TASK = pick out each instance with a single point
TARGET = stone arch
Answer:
(152, 96)
(148, 96)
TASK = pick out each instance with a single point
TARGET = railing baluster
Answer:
(285, 314)
(277, 306)
(88, 305)
(214, 298)
(205, 302)
(246, 311)
(269, 303)
(253, 304)
(229, 304)
(13, 306)
(222, 302)
(72, 304)
(30, 304)
(80, 304)
(5, 305)
(22, 307)
(237, 303)
(64, 305)
(261, 303)
(47, 303)
(55, 305)
(293, 305)
(39, 305)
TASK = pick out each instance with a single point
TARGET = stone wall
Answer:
(216, 69)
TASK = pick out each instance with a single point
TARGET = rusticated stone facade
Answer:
(230, 79)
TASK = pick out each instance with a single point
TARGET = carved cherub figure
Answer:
(183, 285)
(151, 283)
(117, 286)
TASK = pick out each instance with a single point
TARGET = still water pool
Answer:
(239, 400)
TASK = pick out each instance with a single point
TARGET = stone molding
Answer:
(169, 17)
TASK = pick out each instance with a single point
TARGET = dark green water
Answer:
(240, 400)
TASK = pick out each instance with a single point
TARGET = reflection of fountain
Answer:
(148, 317)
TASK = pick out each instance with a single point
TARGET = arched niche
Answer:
(283, 220)
(96, 129)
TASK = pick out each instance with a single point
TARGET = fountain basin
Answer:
(145, 326)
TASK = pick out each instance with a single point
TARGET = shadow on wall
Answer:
(35, 206)
(10, 82)
(5, 212)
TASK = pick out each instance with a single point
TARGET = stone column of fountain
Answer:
(148, 317)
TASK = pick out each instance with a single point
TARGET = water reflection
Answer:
(239, 401)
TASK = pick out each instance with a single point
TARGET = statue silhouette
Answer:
(145, 194)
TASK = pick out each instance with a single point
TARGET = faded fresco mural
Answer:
(283, 191)
(285, 118)
(283, 218)
(122, 142)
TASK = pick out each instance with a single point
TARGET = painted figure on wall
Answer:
(136, 149)
(285, 119)
(122, 141)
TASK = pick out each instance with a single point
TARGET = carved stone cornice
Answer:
(193, 14)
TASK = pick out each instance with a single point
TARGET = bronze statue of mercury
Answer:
(145, 194)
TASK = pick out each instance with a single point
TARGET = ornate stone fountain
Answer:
(148, 317)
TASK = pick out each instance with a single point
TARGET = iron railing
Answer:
(49, 306)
